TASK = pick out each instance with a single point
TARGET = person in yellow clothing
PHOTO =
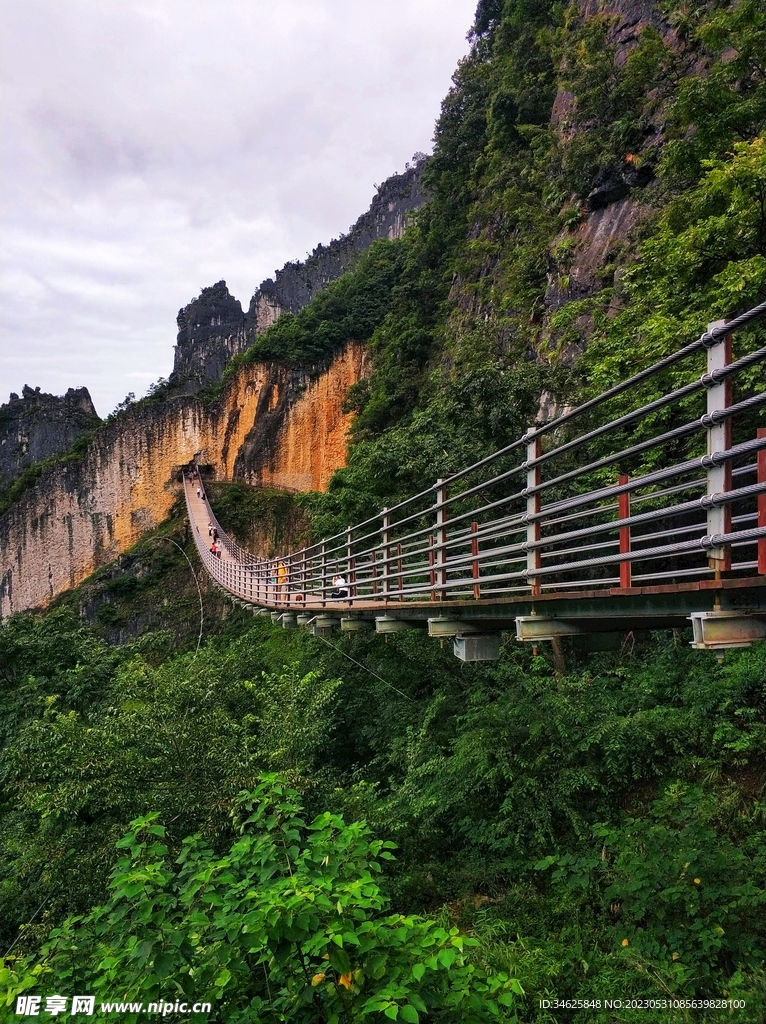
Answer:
(281, 579)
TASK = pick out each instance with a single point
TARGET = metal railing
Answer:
(671, 491)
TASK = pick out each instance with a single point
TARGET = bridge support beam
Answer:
(534, 628)
(389, 624)
(715, 631)
(442, 626)
(354, 623)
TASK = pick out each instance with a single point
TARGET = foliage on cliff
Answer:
(347, 309)
(29, 476)
(490, 298)
(262, 519)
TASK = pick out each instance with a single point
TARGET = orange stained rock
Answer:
(82, 515)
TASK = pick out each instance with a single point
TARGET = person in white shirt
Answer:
(340, 587)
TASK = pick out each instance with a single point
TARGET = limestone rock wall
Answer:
(272, 425)
(299, 443)
(39, 425)
(212, 328)
(295, 284)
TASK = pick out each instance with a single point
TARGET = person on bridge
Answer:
(340, 587)
(281, 577)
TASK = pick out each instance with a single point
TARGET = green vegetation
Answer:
(613, 817)
(28, 477)
(298, 900)
(262, 519)
(582, 833)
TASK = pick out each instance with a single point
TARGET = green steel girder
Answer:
(595, 611)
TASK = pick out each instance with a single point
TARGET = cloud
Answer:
(152, 147)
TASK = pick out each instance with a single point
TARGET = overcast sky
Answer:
(153, 147)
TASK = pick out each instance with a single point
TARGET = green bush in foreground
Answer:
(288, 926)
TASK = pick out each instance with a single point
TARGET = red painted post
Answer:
(761, 478)
(432, 574)
(384, 544)
(623, 506)
(475, 563)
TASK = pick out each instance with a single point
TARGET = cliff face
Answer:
(212, 328)
(81, 515)
(296, 283)
(39, 425)
(299, 444)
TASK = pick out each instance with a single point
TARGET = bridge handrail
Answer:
(465, 554)
(706, 340)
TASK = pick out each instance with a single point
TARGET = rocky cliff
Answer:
(38, 425)
(271, 425)
(213, 327)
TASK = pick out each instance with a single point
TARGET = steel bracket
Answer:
(533, 628)
(354, 623)
(389, 624)
(441, 626)
(715, 631)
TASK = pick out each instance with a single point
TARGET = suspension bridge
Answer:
(643, 508)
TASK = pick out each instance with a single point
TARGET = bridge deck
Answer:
(599, 610)
(565, 522)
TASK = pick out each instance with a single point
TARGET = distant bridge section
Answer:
(621, 515)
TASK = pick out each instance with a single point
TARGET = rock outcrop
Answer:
(213, 327)
(81, 515)
(272, 425)
(295, 284)
(38, 425)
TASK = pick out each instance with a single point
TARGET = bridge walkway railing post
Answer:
(761, 479)
(440, 548)
(534, 479)
(718, 440)
(623, 511)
